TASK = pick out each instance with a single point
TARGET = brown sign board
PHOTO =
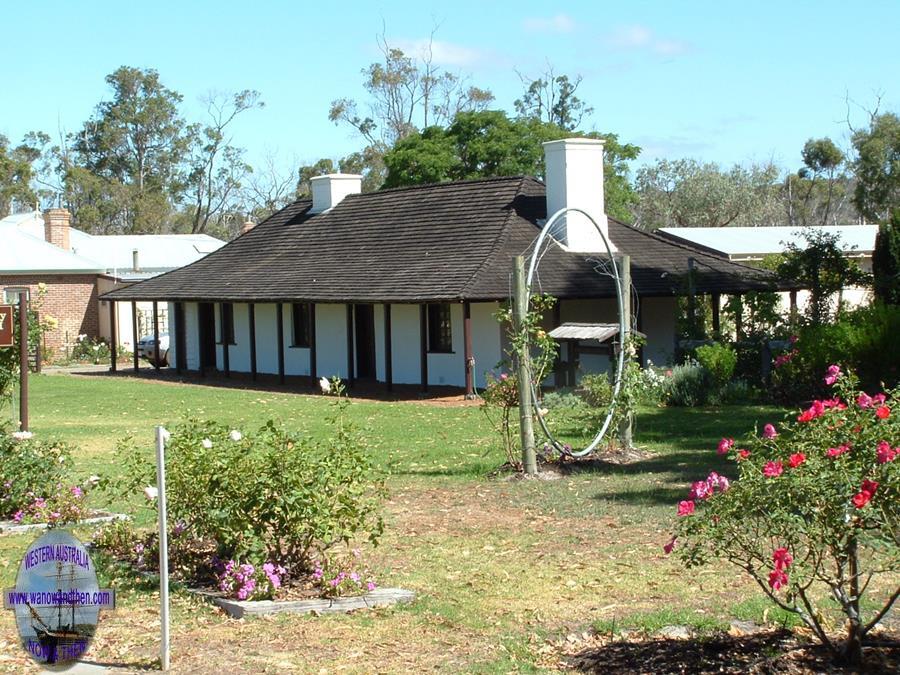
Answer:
(7, 334)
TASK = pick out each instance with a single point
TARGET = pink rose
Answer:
(769, 431)
(773, 469)
(685, 508)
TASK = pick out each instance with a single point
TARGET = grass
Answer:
(499, 566)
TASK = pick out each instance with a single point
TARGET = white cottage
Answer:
(401, 286)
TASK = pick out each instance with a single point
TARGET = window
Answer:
(226, 323)
(440, 335)
(301, 324)
(11, 294)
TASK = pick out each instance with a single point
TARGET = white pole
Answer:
(161, 436)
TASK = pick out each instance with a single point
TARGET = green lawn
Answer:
(499, 566)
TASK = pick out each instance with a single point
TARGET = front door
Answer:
(364, 320)
(206, 320)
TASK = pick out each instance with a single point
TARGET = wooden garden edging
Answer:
(380, 597)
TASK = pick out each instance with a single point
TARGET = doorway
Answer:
(364, 323)
(206, 321)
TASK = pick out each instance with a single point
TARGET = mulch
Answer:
(769, 651)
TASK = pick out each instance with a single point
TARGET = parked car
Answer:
(146, 348)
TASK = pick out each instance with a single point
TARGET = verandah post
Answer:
(526, 423)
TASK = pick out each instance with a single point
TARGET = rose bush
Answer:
(30, 467)
(814, 512)
(269, 495)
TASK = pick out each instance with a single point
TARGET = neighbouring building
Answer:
(402, 285)
(74, 268)
(750, 245)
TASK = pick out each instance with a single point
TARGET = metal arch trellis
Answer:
(534, 261)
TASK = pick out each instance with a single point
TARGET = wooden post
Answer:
(558, 374)
(738, 317)
(134, 335)
(226, 338)
(469, 353)
(423, 345)
(793, 297)
(313, 356)
(526, 423)
(692, 301)
(180, 338)
(716, 323)
(23, 362)
(251, 322)
(625, 427)
(279, 321)
(113, 337)
(155, 335)
(351, 371)
(388, 349)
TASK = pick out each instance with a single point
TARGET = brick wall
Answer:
(70, 299)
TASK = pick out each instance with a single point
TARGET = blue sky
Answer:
(720, 81)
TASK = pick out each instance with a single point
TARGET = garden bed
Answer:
(96, 517)
(380, 597)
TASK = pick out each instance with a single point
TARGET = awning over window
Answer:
(587, 331)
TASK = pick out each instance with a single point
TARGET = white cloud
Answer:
(561, 23)
(639, 37)
(442, 53)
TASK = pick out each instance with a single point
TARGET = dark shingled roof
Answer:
(450, 241)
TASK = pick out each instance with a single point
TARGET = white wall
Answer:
(331, 340)
(658, 324)
(450, 368)
(486, 340)
(405, 344)
(191, 336)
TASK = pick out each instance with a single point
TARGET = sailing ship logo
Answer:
(57, 599)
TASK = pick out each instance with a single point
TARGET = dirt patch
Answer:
(567, 465)
(771, 651)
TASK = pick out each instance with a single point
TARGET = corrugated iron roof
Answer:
(755, 242)
(586, 331)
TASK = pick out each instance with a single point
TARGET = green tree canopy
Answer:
(877, 167)
(818, 193)
(489, 143)
(687, 193)
(15, 176)
(127, 174)
(886, 261)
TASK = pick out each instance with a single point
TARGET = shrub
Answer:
(64, 505)
(688, 386)
(814, 512)
(498, 400)
(343, 575)
(562, 399)
(865, 340)
(29, 467)
(245, 581)
(268, 496)
(596, 390)
(94, 350)
(718, 361)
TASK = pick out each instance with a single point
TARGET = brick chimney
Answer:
(56, 227)
(330, 189)
(247, 226)
(574, 178)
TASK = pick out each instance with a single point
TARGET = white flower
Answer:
(151, 493)
(62, 459)
(206, 443)
(22, 435)
(542, 412)
(325, 385)
(235, 435)
(96, 348)
(92, 481)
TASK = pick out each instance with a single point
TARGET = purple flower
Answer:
(371, 585)
(354, 577)
(18, 517)
(834, 372)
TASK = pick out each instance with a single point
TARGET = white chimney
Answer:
(330, 189)
(574, 179)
